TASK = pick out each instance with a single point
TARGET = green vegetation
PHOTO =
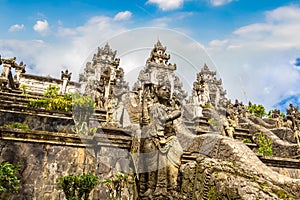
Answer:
(83, 107)
(77, 187)
(281, 194)
(207, 105)
(257, 110)
(212, 194)
(67, 102)
(17, 125)
(116, 184)
(24, 87)
(8, 177)
(53, 101)
(247, 140)
(265, 145)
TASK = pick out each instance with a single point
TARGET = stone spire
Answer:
(101, 74)
(215, 88)
(159, 71)
(159, 58)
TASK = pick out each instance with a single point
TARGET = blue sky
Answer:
(255, 45)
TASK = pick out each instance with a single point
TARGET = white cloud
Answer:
(167, 4)
(42, 27)
(71, 50)
(219, 2)
(125, 15)
(16, 27)
(255, 60)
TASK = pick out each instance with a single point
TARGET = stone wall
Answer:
(44, 156)
(38, 84)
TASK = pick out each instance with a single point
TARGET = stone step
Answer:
(244, 125)
(280, 162)
(242, 135)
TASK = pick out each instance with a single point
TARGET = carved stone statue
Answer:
(7, 64)
(119, 112)
(65, 77)
(161, 150)
(100, 94)
(229, 126)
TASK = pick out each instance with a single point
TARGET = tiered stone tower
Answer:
(215, 88)
(100, 75)
(158, 70)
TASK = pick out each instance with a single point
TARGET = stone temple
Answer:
(165, 143)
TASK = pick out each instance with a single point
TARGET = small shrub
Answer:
(17, 125)
(207, 105)
(77, 187)
(257, 110)
(247, 140)
(8, 177)
(116, 184)
(265, 145)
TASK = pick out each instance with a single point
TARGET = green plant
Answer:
(24, 87)
(247, 140)
(93, 131)
(207, 105)
(53, 101)
(77, 187)
(116, 184)
(257, 110)
(8, 177)
(51, 91)
(265, 145)
(17, 125)
(83, 107)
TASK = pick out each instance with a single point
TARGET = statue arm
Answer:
(174, 115)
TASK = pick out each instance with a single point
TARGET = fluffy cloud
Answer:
(42, 27)
(256, 60)
(219, 2)
(16, 27)
(125, 15)
(167, 4)
(73, 47)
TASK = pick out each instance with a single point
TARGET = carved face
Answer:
(164, 92)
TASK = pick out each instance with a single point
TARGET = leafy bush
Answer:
(247, 140)
(8, 177)
(66, 102)
(116, 184)
(257, 110)
(51, 91)
(77, 187)
(17, 125)
(265, 145)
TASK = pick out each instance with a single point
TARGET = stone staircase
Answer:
(14, 108)
(242, 133)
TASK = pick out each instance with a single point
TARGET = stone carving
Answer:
(215, 89)
(100, 76)
(200, 95)
(161, 149)
(230, 122)
(119, 113)
(159, 94)
(275, 114)
(6, 75)
(100, 94)
(20, 69)
(65, 77)
(292, 116)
